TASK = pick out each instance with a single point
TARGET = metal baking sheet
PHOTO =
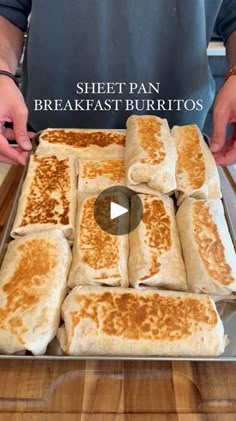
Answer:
(226, 308)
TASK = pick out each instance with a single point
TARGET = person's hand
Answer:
(224, 112)
(13, 109)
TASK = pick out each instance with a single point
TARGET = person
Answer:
(82, 58)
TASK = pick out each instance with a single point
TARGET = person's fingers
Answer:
(233, 125)
(20, 117)
(218, 154)
(229, 158)
(7, 160)
(226, 156)
(31, 134)
(226, 160)
(229, 146)
(220, 121)
(226, 148)
(219, 133)
(10, 134)
(23, 153)
(11, 153)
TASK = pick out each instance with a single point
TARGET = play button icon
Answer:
(118, 210)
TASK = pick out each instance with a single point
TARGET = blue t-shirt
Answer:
(152, 53)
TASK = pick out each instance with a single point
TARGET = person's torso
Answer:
(130, 41)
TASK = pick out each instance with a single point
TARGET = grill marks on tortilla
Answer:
(190, 156)
(149, 131)
(158, 232)
(100, 249)
(80, 139)
(48, 198)
(27, 284)
(209, 244)
(136, 316)
(112, 168)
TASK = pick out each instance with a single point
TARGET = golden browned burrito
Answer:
(97, 175)
(117, 321)
(196, 170)
(155, 257)
(32, 288)
(150, 155)
(84, 143)
(209, 254)
(98, 257)
(49, 196)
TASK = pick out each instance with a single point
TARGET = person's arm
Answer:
(224, 111)
(11, 44)
(13, 21)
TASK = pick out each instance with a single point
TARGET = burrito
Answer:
(49, 196)
(118, 321)
(208, 250)
(196, 170)
(98, 175)
(83, 143)
(98, 257)
(32, 288)
(150, 156)
(155, 257)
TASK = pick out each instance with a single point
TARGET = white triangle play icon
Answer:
(117, 210)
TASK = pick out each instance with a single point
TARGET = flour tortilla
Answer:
(32, 287)
(118, 321)
(155, 257)
(49, 196)
(150, 156)
(83, 143)
(208, 250)
(99, 258)
(98, 175)
(196, 171)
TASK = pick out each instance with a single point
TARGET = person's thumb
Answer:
(218, 138)
(20, 117)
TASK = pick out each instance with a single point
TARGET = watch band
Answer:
(9, 74)
(231, 72)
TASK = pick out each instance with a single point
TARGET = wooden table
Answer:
(115, 390)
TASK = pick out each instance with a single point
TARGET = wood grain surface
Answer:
(115, 390)
(7, 191)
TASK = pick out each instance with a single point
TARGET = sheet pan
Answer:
(226, 308)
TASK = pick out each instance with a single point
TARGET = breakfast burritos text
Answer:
(89, 97)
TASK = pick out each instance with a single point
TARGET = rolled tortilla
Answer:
(99, 258)
(118, 321)
(32, 288)
(208, 250)
(150, 156)
(155, 253)
(98, 175)
(83, 143)
(49, 196)
(196, 171)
